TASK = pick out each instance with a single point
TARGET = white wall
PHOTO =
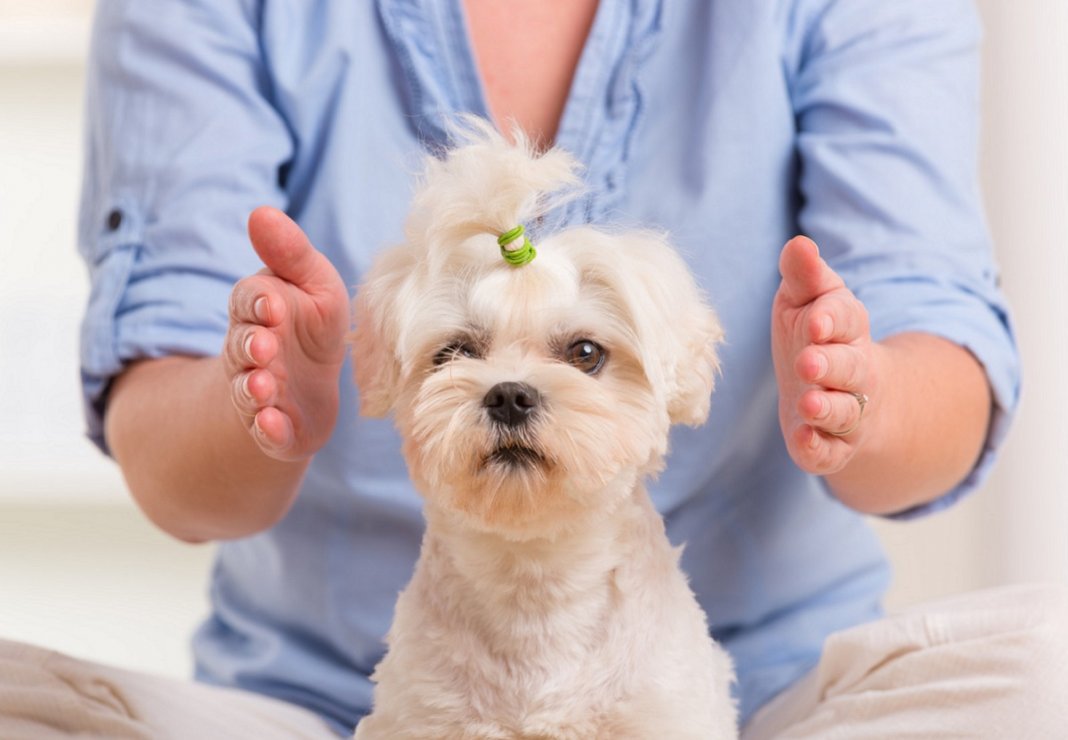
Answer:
(81, 571)
(1026, 181)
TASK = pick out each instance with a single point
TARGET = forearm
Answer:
(189, 462)
(927, 422)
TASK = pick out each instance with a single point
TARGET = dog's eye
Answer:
(454, 350)
(585, 355)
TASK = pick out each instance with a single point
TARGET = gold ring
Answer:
(862, 399)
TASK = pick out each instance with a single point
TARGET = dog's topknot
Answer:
(485, 184)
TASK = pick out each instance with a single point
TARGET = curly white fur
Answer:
(547, 601)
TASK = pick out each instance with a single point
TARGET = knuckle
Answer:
(840, 304)
(846, 416)
(819, 457)
(235, 344)
(240, 396)
(235, 302)
(843, 313)
(245, 294)
(830, 458)
(824, 409)
(835, 413)
(241, 299)
(244, 346)
(857, 369)
(229, 354)
(858, 316)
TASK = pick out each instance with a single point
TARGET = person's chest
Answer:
(526, 53)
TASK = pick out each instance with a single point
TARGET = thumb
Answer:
(286, 251)
(805, 276)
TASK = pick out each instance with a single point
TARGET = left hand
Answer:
(823, 353)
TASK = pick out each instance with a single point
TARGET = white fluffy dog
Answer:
(532, 400)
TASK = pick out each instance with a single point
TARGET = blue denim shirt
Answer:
(733, 124)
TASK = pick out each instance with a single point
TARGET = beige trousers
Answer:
(992, 664)
(45, 695)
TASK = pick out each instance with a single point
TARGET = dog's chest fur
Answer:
(589, 637)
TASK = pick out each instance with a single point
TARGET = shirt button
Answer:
(114, 220)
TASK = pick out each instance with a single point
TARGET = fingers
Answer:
(805, 276)
(252, 392)
(831, 412)
(256, 307)
(273, 429)
(257, 300)
(835, 317)
(286, 251)
(822, 338)
(840, 367)
(825, 440)
(818, 453)
(249, 346)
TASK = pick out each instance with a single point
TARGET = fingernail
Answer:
(813, 440)
(259, 308)
(244, 386)
(248, 347)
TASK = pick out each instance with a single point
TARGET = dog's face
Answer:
(531, 397)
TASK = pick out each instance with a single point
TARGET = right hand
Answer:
(285, 345)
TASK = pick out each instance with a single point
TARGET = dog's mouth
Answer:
(515, 456)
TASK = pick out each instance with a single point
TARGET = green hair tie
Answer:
(520, 255)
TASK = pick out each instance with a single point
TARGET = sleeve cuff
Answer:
(972, 321)
(139, 311)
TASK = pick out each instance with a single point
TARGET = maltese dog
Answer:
(533, 386)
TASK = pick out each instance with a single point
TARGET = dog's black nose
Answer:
(511, 403)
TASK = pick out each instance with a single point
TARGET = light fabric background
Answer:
(82, 572)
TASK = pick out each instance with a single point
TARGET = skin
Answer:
(553, 33)
(929, 401)
(241, 428)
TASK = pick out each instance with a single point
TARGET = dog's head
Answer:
(528, 397)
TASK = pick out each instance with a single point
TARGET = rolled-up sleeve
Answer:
(887, 102)
(182, 143)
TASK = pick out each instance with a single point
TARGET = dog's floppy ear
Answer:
(374, 339)
(697, 335)
(678, 330)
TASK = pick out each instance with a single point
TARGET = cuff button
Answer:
(114, 220)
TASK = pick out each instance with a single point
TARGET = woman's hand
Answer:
(285, 345)
(823, 354)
